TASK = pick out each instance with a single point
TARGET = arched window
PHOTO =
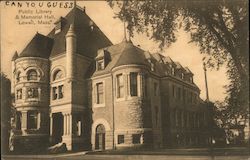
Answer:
(18, 76)
(58, 75)
(32, 74)
(100, 129)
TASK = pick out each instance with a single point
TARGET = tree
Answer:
(5, 111)
(230, 117)
(219, 28)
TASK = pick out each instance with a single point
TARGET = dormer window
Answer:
(182, 75)
(100, 64)
(60, 24)
(102, 59)
(152, 66)
(172, 71)
(191, 79)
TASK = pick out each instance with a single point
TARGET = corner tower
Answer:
(30, 86)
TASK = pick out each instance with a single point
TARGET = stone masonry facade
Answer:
(74, 86)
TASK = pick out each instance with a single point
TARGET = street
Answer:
(127, 157)
(233, 153)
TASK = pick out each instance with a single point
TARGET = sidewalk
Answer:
(46, 155)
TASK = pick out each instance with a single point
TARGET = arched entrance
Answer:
(100, 137)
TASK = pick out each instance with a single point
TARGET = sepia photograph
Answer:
(124, 80)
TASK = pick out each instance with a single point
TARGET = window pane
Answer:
(58, 75)
(60, 89)
(100, 65)
(32, 120)
(173, 71)
(32, 93)
(32, 75)
(18, 120)
(184, 95)
(120, 139)
(19, 94)
(120, 86)
(179, 93)
(18, 77)
(54, 90)
(136, 138)
(99, 87)
(133, 84)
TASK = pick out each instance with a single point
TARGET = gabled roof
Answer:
(39, 46)
(89, 39)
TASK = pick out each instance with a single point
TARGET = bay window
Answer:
(120, 86)
(133, 84)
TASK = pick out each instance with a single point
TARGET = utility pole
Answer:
(210, 114)
(205, 73)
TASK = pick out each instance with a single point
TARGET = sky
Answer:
(14, 37)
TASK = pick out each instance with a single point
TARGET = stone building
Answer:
(74, 86)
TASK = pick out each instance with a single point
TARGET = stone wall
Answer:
(31, 95)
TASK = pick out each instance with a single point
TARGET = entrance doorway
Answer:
(100, 137)
(57, 131)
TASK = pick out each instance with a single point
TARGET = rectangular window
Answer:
(176, 118)
(19, 94)
(182, 119)
(32, 93)
(156, 115)
(60, 91)
(120, 139)
(32, 120)
(179, 93)
(18, 120)
(173, 91)
(54, 92)
(191, 97)
(136, 138)
(155, 89)
(120, 86)
(133, 84)
(99, 91)
(100, 65)
(184, 95)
